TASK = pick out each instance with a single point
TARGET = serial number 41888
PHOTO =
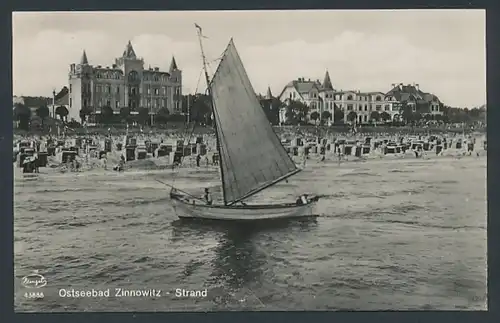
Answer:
(33, 295)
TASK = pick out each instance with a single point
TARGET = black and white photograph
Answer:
(272, 160)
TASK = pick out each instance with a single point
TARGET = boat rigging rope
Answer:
(186, 132)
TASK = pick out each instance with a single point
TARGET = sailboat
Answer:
(252, 157)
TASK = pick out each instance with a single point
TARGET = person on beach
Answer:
(207, 196)
(198, 158)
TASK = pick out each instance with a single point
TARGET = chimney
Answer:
(401, 86)
(157, 69)
(417, 87)
(115, 66)
(107, 67)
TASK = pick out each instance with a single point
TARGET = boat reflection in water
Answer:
(240, 262)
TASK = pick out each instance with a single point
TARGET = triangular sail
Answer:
(252, 157)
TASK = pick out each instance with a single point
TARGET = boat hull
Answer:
(241, 213)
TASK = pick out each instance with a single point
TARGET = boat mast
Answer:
(212, 106)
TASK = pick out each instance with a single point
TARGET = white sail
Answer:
(252, 157)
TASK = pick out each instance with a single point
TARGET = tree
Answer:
(417, 117)
(22, 114)
(271, 109)
(385, 116)
(338, 115)
(351, 116)
(201, 109)
(300, 110)
(125, 114)
(107, 115)
(290, 116)
(326, 116)
(43, 112)
(62, 112)
(314, 116)
(162, 116)
(84, 112)
(407, 113)
(428, 117)
(375, 116)
(143, 116)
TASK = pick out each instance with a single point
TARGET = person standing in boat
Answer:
(207, 196)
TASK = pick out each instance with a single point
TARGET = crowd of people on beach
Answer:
(91, 151)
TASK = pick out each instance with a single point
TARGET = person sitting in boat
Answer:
(302, 200)
(207, 196)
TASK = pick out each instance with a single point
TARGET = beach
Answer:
(391, 234)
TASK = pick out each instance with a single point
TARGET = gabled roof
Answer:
(406, 92)
(302, 86)
(84, 60)
(62, 98)
(173, 65)
(327, 83)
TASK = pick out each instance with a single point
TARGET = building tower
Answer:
(80, 86)
(132, 68)
(176, 81)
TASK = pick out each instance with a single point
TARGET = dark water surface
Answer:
(399, 235)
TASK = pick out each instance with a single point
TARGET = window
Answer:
(157, 91)
(108, 103)
(178, 90)
(149, 90)
(133, 76)
(366, 107)
(70, 102)
(117, 104)
(117, 89)
(70, 88)
(108, 89)
(378, 98)
(148, 103)
(349, 107)
(349, 97)
(387, 108)
(165, 90)
(378, 107)
(98, 88)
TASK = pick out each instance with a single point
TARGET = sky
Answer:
(368, 50)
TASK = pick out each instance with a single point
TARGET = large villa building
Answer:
(126, 83)
(322, 96)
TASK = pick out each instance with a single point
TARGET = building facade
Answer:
(320, 97)
(411, 95)
(125, 84)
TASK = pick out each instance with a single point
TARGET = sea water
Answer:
(404, 234)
